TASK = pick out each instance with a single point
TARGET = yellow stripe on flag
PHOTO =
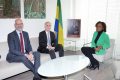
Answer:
(60, 35)
(57, 13)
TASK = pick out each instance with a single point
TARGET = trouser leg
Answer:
(36, 63)
(87, 51)
(60, 49)
(52, 54)
(26, 62)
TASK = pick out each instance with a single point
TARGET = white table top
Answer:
(63, 66)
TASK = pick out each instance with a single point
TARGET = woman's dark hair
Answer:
(103, 24)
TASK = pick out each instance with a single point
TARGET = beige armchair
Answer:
(109, 52)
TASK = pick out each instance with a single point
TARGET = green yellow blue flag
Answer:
(58, 28)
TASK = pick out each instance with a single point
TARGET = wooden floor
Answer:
(104, 73)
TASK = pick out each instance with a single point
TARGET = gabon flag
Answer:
(58, 28)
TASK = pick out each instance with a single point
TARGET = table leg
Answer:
(65, 77)
(75, 47)
(86, 77)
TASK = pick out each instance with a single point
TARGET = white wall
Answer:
(91, 11)
(34, 26)
(113, 20)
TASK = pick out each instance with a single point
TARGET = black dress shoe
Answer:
(94, 67)
(89, 66)
(36, 78)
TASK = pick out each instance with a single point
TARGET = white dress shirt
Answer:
(48, 37)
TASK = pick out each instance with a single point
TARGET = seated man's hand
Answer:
(50, 47)
(30, 56)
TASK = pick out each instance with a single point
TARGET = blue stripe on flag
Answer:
(56, 25)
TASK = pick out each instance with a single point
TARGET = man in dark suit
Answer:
(20, 49)
(47, 42)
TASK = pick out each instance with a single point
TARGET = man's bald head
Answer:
(19, 24)
(18, 19)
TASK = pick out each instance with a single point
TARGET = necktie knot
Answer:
(20, 33)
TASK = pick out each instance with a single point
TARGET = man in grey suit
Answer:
(20, 49)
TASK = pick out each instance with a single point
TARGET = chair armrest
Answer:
(86, 44)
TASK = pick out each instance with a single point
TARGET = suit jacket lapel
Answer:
(50, 36)
(45, 35)
(17, 38)
(101, 36)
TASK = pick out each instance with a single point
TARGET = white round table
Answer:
(63, 66)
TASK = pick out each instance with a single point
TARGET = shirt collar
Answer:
(47, 32)
(18, 32)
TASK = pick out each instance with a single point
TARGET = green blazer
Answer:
(103, 41)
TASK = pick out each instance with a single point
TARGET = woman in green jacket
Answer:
(100, 42)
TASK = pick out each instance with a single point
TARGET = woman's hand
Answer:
(98, 48)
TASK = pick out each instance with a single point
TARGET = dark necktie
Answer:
(21, 43)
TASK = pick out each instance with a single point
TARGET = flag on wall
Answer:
(58, 28)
